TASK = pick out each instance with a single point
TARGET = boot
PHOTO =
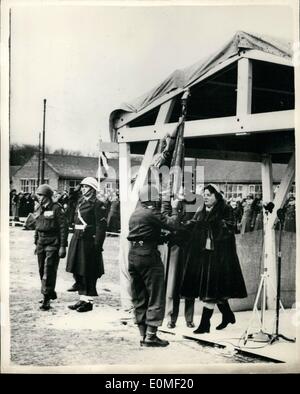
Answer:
(142, 329)
(152, 339)
(46, 304)
(204, 325)
(75, 306)
(227, 315)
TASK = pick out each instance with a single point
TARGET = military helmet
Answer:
(148, 193)
(90, 181)
(44, 190)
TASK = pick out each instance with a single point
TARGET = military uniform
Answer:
(51, 233)
(145, 266)
(85, 251)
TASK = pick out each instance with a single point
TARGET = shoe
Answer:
(85, 307)
(204, 325)
(45, 305)
(52, 297)
(171, 324)
(190, 324)
(75, 306)
(227, 315)
(75, 287)
(154, 341)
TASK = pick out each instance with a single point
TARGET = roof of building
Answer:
(220, 171)
(13, 169)
(78, 167)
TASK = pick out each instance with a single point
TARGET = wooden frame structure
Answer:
(243, 123)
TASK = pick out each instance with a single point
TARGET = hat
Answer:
(214, 186)
(44, 190)
(148, 193)
(90, 181)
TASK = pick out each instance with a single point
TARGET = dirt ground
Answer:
(61, 337)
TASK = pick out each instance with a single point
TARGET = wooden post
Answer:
(283, 189)
(269, 256)
(244, 87)
(124, 189)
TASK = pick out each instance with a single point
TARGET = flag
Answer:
(102, 166)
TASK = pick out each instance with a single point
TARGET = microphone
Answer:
(269, 207)
(281, 213)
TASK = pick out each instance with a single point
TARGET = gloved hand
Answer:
(62, 252)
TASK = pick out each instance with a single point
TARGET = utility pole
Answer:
(39, 162)
(43, 145)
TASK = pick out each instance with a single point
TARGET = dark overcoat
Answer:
(213, 275)
(85, 250)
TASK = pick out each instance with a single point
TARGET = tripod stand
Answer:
(263, 336)
(277, 336)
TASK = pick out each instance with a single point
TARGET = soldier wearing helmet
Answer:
(51, 240)
(145, 266)
(85, 260)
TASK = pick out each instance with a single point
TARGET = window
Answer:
(30, 185)
(70, 184)
(255, 190)
(233, 191)
(108, 186)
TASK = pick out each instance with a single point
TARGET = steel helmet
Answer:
(148, 193)
(44, 190)
(90, 181)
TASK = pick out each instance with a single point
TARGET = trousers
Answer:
(147, 284)
(48, 261)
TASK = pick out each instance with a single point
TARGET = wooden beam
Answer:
(142, 174)
(124, 187)
(266, 57)
(283, 190)
(269, 235)
(127, 117)
(244, 87)
(162, 117)
(230, 125)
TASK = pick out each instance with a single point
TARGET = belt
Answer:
(143, 243)
(80, 226)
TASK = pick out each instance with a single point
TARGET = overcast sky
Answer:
(86, 60)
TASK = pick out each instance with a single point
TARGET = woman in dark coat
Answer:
(85, 250)
(213, 271)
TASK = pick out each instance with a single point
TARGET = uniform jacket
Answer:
(51, 226)
(85, 251)
(146, 223)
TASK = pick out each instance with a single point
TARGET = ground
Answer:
(61, 337)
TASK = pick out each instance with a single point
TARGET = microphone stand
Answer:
(277, 336)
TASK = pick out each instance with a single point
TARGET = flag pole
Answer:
(99, 163)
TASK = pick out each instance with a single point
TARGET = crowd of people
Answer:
(26, 204)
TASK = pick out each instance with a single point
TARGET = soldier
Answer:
(51, 240)
(85, 252)
(145, 266)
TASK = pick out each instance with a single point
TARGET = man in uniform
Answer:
(145, 266)
(51, 240)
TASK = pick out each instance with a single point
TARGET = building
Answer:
(65, 172)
